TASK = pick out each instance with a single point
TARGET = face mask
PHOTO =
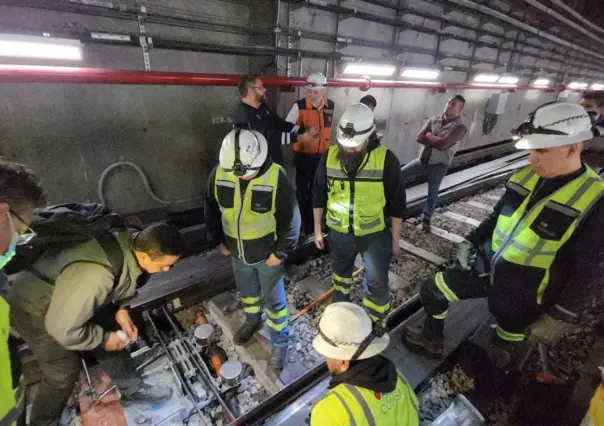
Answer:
(12, 246)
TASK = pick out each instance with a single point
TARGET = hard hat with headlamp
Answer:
(554, 124)
(355, 126)
(316, 81)
(243, 152)
(346, 333)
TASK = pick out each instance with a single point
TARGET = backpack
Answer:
(67, 225)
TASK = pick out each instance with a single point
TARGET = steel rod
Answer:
(200, 364)
(172, 366)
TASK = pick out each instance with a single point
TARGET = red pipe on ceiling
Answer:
(43, 74)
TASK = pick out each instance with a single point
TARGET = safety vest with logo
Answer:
(356, 406)
(310, 117)
(355, 204)
(11, 399)
(528, 241)
(248, 220)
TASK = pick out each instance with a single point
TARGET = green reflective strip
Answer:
(370, 174)
(336, 172)
(361, 401)
(529, 174)
(346, 408)
(226, 183)
(250, 300)
(535, 251)
(251, 309)
(444, 288)
(368, 225)
(374, 318)
(341, 289)
(510, 337)
(277, 314)
(341, 279)
(582, 190)
(275, 326)
(380, 309)
(441, 316)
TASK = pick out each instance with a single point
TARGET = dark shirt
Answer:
(445, 141)
(577, 270)
(287, 214)
(276, 130)
(394, 190)
(376, 373)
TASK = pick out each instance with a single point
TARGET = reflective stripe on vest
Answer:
(364, 407)
(309, 117)
(247, 218)
(515, 239)
(356, 204)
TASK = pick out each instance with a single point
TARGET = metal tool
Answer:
(546, 376)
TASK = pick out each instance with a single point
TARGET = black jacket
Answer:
(394, 190)
(376, 373)
(576, 273)
(287, 216)
(276, 130)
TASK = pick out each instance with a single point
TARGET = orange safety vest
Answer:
(310, 117)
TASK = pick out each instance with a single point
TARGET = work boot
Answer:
(278, 356)
(426, 227)
(148, 394)
(246, 332)
(417, 341)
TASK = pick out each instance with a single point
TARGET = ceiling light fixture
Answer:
(577, 85)
(597, 86)
(40, 47)
(370, 69)
(486, 78)
(508, 79)
(424, 73)
(541, 82)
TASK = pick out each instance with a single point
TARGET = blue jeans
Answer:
(257, 282)
(376, 252)
(434, 173)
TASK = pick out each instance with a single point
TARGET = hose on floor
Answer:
(141, 172)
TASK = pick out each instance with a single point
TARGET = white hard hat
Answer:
(554, 124)
(343, 328)
(355, 126)
(251, 155)
(316, 81)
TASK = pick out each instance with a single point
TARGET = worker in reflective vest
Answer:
(20, 193)
(252, 214)
(538, 257)
(358, 187)
(315, 111)
(366, 388)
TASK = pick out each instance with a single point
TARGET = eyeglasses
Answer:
(25, 236)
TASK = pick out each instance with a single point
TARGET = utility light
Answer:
(424, 73)
(577, 85)
(486, 78)
(541, 82)
(597, 86)
(40, 47)
(508, 79)
(370, 69)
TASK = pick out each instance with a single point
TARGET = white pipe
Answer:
(564, 20)
(519, 24)
(578, 16)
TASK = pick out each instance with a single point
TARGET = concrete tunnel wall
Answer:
(70, 133)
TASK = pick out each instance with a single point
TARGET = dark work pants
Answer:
(456, 284)
(434, 173)
(306, 167)
(61, 367)
(376, 253)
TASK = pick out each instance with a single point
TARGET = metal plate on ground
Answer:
(421, 253)
(479, 205)
(463, 318)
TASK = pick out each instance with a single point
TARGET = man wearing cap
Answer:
(538, 256)
(252, 214)
(358, 186)
(313, 112)
(365, 388)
